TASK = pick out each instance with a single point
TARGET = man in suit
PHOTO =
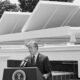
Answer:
(36, 59)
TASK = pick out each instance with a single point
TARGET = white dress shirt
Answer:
(36, 56)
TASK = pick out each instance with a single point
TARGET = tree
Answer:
(28, 5)
(7, 6)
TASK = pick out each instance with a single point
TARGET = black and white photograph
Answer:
(39, 39)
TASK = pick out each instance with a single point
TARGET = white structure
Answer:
(3, 64)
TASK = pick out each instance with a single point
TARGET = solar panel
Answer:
(49, 15)
(12, 22)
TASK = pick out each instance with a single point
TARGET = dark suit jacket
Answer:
(42, 62)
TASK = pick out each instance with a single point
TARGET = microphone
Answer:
(24, 62)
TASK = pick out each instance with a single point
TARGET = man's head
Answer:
(32, 46)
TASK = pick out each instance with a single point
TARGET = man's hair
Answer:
(32, 42)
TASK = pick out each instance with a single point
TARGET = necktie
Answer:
(33, 60)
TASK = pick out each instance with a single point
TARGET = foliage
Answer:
(28, 5)
(7, 6)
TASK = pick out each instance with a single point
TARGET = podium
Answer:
(19, 73)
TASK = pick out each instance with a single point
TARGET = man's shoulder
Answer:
(42, 55)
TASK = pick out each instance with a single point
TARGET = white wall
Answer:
(54, 53)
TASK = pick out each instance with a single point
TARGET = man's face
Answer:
(32, 49)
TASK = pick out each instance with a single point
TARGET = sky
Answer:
(76, 2)
(12, 1)
(16, 1)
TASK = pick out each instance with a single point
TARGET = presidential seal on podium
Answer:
(19, 75)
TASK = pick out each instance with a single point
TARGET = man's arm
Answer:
(47, 68)
(47, 65)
